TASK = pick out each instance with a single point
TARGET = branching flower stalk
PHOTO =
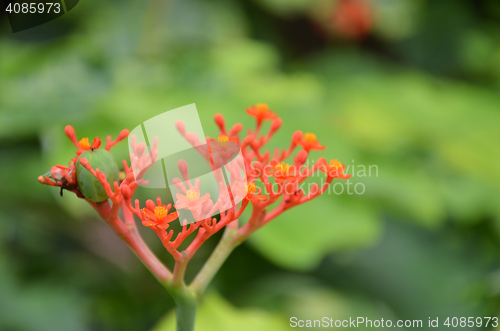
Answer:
(271, 187)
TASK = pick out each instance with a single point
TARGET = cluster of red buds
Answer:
(257, 178)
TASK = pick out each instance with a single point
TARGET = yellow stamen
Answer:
(310, 137)
(262, 107)
(223, 140)
(192, 195)
(160, 212)
(251, 188)
(282, 168)
(84, 143)
(335, 164)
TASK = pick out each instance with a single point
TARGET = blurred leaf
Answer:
(307, 299)
(288, 7)
(408, 191)
(396, 19)
(477, 53)
(419, 273)
(41, 307)
(299, 238)
(216, 314)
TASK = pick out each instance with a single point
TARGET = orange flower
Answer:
(84, 144)
(261, 112)
(191, 200)
(335, 169)
(247, 191)
(158, 217)
(308, 141)
(282, 172)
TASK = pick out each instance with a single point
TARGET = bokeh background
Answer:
(411, 86)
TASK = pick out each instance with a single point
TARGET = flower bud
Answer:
(181, 127)
(219, 120)
(70, 133)
(183, 168)
(275, 125)
(139, 149)
(123, 134)
(297, 136)
(150, 205)
(126, 192)
(301, 158)
(235, 129)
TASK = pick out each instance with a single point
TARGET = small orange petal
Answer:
(171, 217)
(163, 226)
(148, 223)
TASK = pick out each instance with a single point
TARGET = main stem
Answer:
(185, 313)
(186, 301)
(185, 306)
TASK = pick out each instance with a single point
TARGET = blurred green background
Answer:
(411, 86)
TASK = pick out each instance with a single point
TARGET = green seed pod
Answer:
(90, 187)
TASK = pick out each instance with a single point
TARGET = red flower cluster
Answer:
(211, 213)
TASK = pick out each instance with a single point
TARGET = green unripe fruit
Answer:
(88, 184)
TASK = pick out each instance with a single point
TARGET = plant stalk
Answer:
(185, 314)
(186, 304)
(219, 255)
